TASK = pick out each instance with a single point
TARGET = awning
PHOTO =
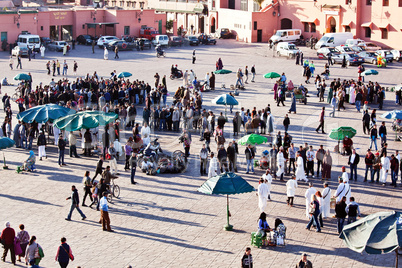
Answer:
(93, 25)
(385, 26)
(347, 23)
(368, 25)
(309, 20)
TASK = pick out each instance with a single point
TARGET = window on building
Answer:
(368, 2)
(126, 30)
(142, 4)
(400, 3)
(244, 5)
(134, 4)
(348, 2)
(255, 25)
(121, 3)
(3, 36)
(367, 32)
(385, 3)
(312, 27)
(306, 27)
(347, 29)
(128, 3)
(384, 34)
(213, 3)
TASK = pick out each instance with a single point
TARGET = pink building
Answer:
(68, 23)
(378, 21)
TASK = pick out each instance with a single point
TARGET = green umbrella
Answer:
(4, 144)
(226, 183)
(252, 139)
(272, 75)
(124, 75)
(22, 76)
(85, 119)
(222, 71)
(341, 132)
(44, 113)
(378, 233)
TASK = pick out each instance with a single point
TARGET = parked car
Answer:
(372, 47)
(22, 51)
(58, 46)
(225, 33)
(351, 59)
(210, 40)
(344, 49)
(324, 51)
(287, 49)
(146, 43)
(386, 54)
(45, 41)
(369, 56)
(193, 40)
(175, 41)
(85, 39)
(397, 54)
(122, 45)
(104, 40)
(161, 39)
(358, 48)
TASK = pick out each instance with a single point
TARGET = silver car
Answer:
(368, 56)
(351, 59)
(325, 51)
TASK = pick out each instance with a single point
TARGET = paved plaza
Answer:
(163, 221)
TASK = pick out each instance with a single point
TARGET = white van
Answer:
(287, 49)
(355, 42)
(161, 39)
(31, 40)
(289, 35)
(333, 39)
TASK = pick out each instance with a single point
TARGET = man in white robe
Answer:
(281, 164)
(300, 174)
(185, 78)
(385, 166)
(291, 186)
(42, 51)
(263, 193)
(345, 175)
(309, 192)
(344, 189)
(326, 201)
(213, 166)
(268, 181)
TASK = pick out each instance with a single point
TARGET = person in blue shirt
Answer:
(314, 213)
(263, 227)
(105, 220)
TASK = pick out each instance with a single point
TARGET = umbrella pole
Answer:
(228, 227)
(4, 162)
(396, 260)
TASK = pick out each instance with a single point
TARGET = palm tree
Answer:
(259, 2)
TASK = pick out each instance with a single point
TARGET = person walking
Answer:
(194, 58)
(99, 168)
(353, 161)
(104, 209)
(321, 120)
(23, 239)
(87, 188)
(382, 132)
(249, 158)
(133, 166)
(326, 201)
(253, 73)
(291, 186)
(308, 195)
(340, 213)
(31, 251)
(394, 165)
(75, 203)
(116, 52)
(203, 160)
(19, 63)
(65, 68)
(58, 67)
(64, 254)
(62, 147)
(334, 102)
(286, 123)
(11, 62)
(42, 145)
(105, 54)
(352, 210)
(314, 211)
(304, 263)
(368, 159)
(72, 140)
(246, 75)
(93, 46)
(7, 237)
(75, 68)
(366, 122)
(247, 259)
(385, 166)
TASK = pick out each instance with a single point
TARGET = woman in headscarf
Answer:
(326, 166)
(30, 162)
(290, 85)
(293, 104)
(212, 81)
(270, 124)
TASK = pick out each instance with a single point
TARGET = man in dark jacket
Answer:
(231, 155)
(366, 122)
(286, 123)
(221, 121)
(222, 158)
(99, 168)
(75, 203)
(63, 253)
(132, 113)
(340, 213)
(133, 165)
(249, 158)
(41, 145)
(8, 236)
(368, 160)
(382, 131)
(62, 147)
(353, 161)
(394, 170)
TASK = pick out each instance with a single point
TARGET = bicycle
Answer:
(114, 189)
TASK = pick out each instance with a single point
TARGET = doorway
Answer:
(201, 24)
(232, 4)
(213, 26)
(286, 24)
(259, 36)
(332, 25)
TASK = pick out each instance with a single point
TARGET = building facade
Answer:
(376, 21)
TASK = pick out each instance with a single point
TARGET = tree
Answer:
(259, 2)
(169, 25)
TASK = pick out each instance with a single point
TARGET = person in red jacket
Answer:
(7, 236)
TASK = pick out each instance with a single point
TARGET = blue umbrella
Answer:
(22, 76)
(124, 75)
(44, 113)
(370, 72)
(4, 144)
(225, 99)
(395, 114)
